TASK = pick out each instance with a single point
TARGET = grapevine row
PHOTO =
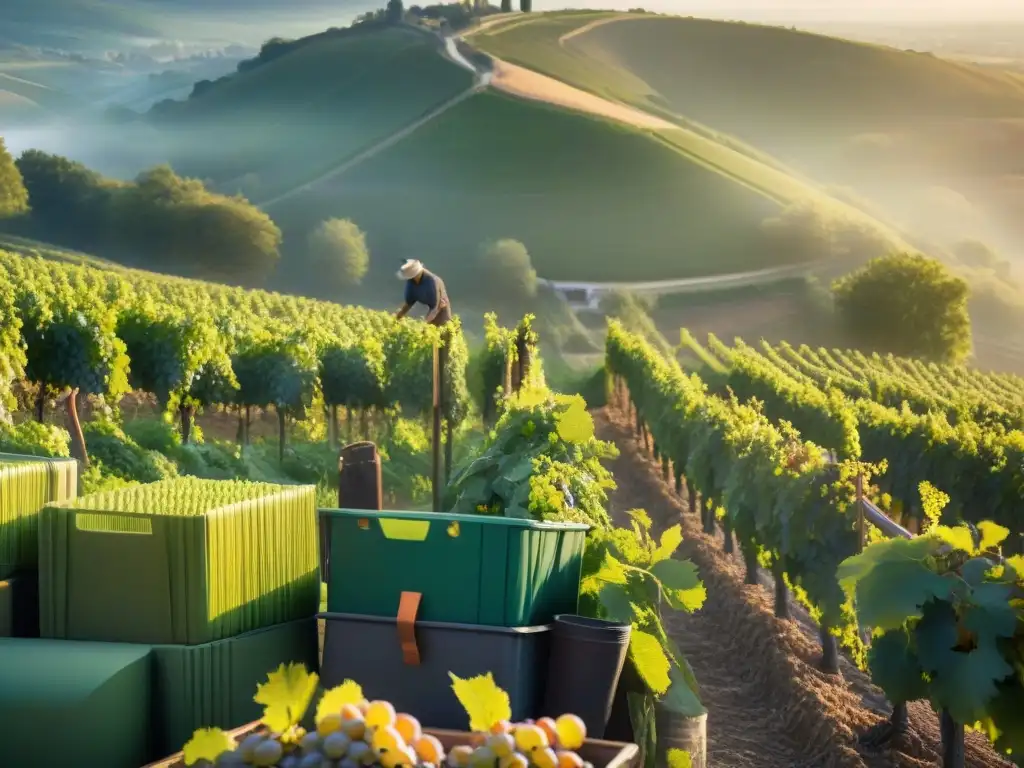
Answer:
(980, 465)
(952, 632)
(194, 345)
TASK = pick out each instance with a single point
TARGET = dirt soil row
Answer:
(768, 704)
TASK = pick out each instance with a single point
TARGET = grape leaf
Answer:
(285, 696)
(574, 424)
(967, 682)
(671, 538)
(1016, 562)
(976, 569)
(855, 568)
(678, 758)
(990, 615)
(936, 635)
(207, 744)
(680, 697)
(888, 596)
(615, 601)
(650, 660)
(681, 584)
(894, 667)
(959, 537)
(485, 703)
(1005, 728)
(992, 534)
(349, 692)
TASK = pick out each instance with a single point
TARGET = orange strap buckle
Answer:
(408, 607)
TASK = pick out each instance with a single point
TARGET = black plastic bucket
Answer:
(675, 731)
(584, 666)
(620, 725)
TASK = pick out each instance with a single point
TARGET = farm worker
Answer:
(424, 287)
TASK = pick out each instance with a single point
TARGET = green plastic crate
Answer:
(469, 569)
(182, 561)
(27, 484)
(212, 685)
(64, 703)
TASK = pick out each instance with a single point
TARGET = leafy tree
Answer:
(169, 352)
(907, 304)
(71, 347)
(69, 202)
(353, 375)
(13, 195)
(394, 11)
(505, 265)
(525, 5)
(506, 6)
(337, 250)
(278, 370)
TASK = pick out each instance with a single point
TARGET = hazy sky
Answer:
(902, 11)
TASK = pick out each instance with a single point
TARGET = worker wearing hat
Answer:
(424, 287)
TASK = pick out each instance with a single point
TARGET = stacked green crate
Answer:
(182, 561)
(27, 484)
(479, 592)
(220, 579)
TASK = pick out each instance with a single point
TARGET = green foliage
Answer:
(506, 272)
(907, 304)
(168, 352)
(353, 373)
(71, 343)
(948, 623)
(13, 195)
(629, 576)
(278, 371)
(34, 439)
(177, 222)
(12, 353)
(338, 254)
(122, 457)
(542, 460)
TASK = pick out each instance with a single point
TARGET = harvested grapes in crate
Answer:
(349, 731)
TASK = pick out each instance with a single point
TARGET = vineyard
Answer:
(784, 478)
(956, 428)
(195, 345)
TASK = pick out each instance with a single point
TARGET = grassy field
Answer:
(268, 129)
(590, 199)
(893, 124)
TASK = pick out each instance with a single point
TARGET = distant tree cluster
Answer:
(805, 232)
(160, 220)
(504, 266)
(907, 304)
(338, 255)
(13, 195)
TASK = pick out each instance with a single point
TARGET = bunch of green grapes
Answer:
(545, 743)
(372, 735)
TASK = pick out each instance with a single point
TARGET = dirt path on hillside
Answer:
(528, 84)
(768, 705)
(587, 27)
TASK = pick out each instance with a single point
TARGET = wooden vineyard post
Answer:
(436, 447)
(861, 532)
(360, 486)
(442, 366)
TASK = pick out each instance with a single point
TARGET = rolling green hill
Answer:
(591, 200)
(284, 122)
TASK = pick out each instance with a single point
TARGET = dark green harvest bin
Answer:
(469, 569)
(212, 685)
(67, 703)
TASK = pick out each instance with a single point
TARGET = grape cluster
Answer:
(372, 734)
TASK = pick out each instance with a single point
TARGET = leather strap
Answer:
(408, 607)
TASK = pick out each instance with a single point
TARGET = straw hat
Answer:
(410, 270)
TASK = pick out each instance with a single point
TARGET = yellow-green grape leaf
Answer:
(207, 744)
(574, 424)
(670, 541)
(285, 696)
(992, 534)
(349, 692)
(958, 537)
(679, 758)
(1017, 563)
(650, 660)
(484, 702)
